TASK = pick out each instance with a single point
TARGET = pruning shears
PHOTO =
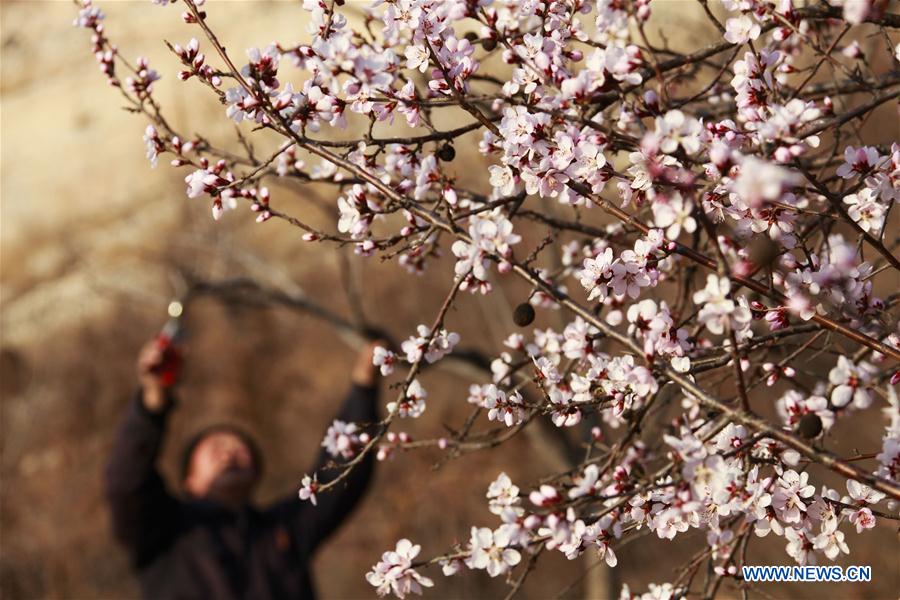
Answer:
(170, 337)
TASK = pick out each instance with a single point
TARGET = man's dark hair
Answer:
(221, 428)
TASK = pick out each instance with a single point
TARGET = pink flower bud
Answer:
(782, 155)
(853, 50)
(532, 522)
(743, 268)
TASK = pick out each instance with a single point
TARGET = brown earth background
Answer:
(91, 238)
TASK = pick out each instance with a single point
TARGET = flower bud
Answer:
(532, 522)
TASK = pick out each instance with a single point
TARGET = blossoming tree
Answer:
(745, 228)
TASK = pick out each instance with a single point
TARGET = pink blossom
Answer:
(308, 488)
(394, 573)
(490, 550)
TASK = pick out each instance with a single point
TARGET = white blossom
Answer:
(741, 30)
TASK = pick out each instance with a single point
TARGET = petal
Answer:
(511, 557)
(841, 395)
(611, 559)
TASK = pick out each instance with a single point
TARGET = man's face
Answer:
(221, 468)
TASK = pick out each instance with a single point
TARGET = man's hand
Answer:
(149, 363)
(365, 373)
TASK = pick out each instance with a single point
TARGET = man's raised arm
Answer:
(312, 524)
(143, 512)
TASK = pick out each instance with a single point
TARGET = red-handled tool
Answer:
(167, 341)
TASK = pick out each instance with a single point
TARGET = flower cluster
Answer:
(195, 61)
(833, 280)
(394, 573)
(868, 207)
(626, 274)
(431, 347)
(719, 311)
(507, 408)
(412, 403)
(344, 439)
(492, 237)
(393, 441)
(653, 323)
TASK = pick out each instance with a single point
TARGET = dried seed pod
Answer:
(809, 426)
(446, 153)
(523, 315)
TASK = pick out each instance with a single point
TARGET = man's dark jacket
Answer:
(198, 549)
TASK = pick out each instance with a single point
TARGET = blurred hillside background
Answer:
(92, 242)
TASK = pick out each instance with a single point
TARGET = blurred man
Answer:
(211, 542)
